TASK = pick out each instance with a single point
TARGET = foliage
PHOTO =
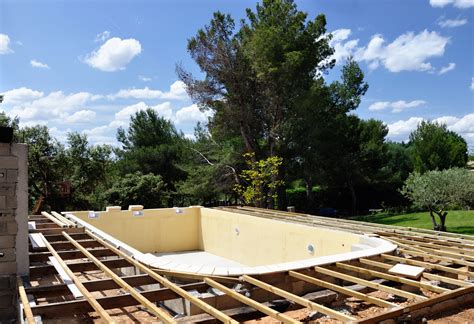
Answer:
(434, 147)
(148, 190)
(151, 145)
(261, 181)
(437, 191)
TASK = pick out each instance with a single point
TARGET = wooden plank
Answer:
(95, 305)
(54, 219)
(370, 284)
(66, 279)
(69, 255)
(162, 314)
(416, 306)
(390, 277)
(426, 265)
(165, 282)
(63, 219)
(433, 255)
(45, 269)
(342, 290)
(52, 290)
(75, 307)
(299, 300)
(47, 231)
(250, 302)
(24, 301)
(433, 244)
(428, 276)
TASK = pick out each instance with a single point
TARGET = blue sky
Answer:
(87, 65)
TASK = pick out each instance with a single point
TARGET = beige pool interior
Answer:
(195, 237)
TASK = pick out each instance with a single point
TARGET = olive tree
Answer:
(438, 191)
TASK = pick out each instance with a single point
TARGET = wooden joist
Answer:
(250, 302)
(299, 300)
(46, 269)
(161, 313)
(430, 255)
(95, 305)
(390, 277)
(24, 301)
(367, 283)
(69, 255)
(342, 290)
(165, 282)
(54, 219)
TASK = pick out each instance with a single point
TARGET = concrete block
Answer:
(5, 149)
(7, 282)
(113, 208)
(3, 202)
(12, 175)
(8, 315)
(8, 255)
(8, 162)
(7, 268)
(7, 241)
(12, 202)
(135, 207)
(7, 298)
(7, 189)
(8, 228)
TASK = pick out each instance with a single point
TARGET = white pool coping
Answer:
(376, 246)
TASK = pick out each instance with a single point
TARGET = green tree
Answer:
(434, 147)
(438, 191)
(259, 185)
(148, 190)
(151, 145)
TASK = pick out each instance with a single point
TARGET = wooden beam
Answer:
(69, 255)
(418, 305)
(432, 255)
(368, 283)
(95, 305)
(63, 219)
(433, 244)
(299, 300)
(74, 307)
(427, 265)
(24, 301)
(390, 277)
(250, 302)
(428, 276)
(163, 315)
(45, 269)
(165, 282)
(54, 219)
(342, 290)
(47, 231)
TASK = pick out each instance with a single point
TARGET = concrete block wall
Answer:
(13, 225)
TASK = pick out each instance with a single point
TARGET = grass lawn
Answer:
(457, 221)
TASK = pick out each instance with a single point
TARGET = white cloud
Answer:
(464, 126)
(402, 128)
(123, 116)
(396, 106)
(191, 114)
(54, 105)
(177, 92)
(5, 44)
(472, 84)
(21, 95)
(102, 37)
(144, 78)
(38, 64)
(114, 54)
(462, 4)
(447, 68)
(408, 52)
(451, 23)
(81, 116)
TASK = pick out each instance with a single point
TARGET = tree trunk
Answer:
(442, 221)
(433, 220)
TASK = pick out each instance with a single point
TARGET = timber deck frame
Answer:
(446, 283)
